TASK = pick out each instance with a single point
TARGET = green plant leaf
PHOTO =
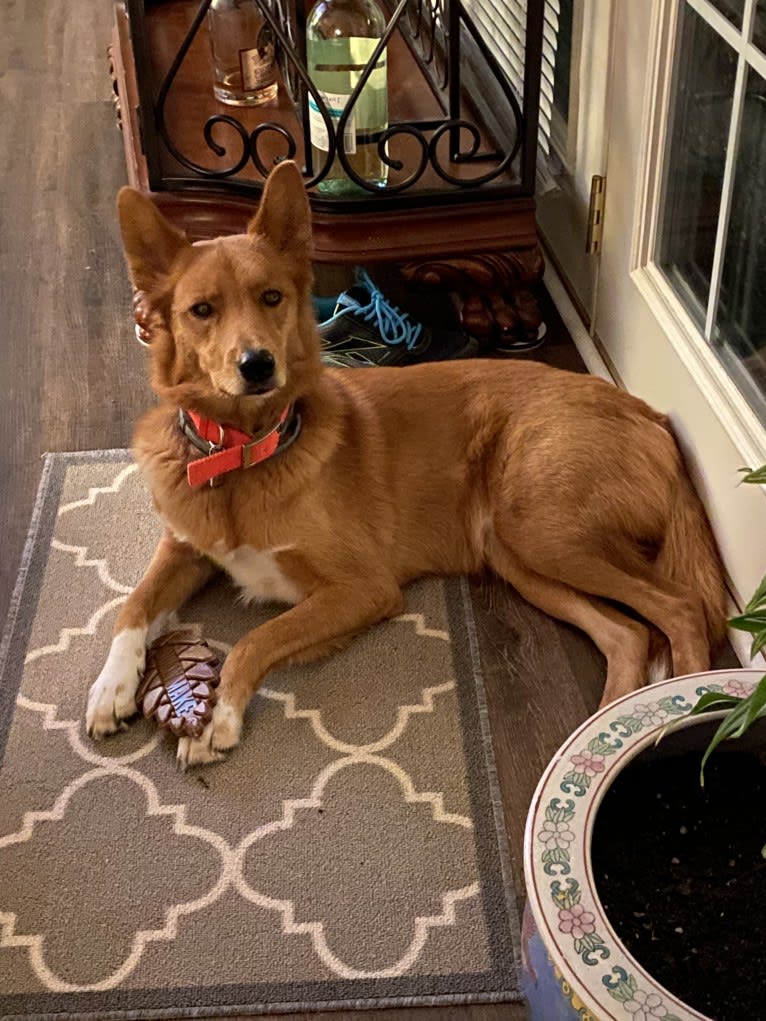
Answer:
(713, 700)
(707, 703)
(755, 476)
(758, 596)
(754, 622)
(737, 721)
(758, 643)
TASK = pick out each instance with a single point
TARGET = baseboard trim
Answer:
(574, 324)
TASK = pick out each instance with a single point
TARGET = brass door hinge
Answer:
(596, 215)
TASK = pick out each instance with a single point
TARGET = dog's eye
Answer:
(271, 297)
(202, 310)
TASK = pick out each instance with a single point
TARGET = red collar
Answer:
(227, 448)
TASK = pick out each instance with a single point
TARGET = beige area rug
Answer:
(349, 853)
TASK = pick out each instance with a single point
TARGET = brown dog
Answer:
(367, 478)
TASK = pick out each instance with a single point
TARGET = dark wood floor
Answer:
(72, 375)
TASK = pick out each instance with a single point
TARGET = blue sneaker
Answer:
(365, 329)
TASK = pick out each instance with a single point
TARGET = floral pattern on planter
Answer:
(650, 713)
(590, 761)
(577, 921)
(558, 829)
(642, 1006)
(556, 835)
(733, 686)
(587, 763)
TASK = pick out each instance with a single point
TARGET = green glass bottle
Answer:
(341, 36)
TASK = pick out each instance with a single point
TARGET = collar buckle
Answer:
(231, 448)
(216, 448)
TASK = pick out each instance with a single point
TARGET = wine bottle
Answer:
(341, 36)
(243, 49)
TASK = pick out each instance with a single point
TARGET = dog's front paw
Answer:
(112, 697)
(219, 737)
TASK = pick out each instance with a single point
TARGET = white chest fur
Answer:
(258, 574)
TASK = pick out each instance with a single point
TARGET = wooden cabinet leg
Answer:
(498, 306)
(115, 88)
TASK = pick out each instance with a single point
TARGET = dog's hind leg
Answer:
(623, 642)
(328, 615)
(175, 573)
(674, 610)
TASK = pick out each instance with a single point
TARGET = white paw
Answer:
(112, 697)
(219, 736)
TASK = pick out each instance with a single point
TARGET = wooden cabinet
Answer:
(458, 208)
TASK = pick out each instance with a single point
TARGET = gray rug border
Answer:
(491, 839)
(34, 558)
(493, 781)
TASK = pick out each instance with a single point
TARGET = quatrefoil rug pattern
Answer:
(348, 854)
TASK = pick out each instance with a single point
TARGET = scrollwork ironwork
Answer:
(432, 30)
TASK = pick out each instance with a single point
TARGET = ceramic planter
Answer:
(575, 967)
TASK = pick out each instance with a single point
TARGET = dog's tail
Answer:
(689, 556)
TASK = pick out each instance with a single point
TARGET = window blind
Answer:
(502, 24)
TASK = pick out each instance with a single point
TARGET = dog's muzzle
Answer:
(256, 367)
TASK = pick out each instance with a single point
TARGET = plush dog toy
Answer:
(178, 687)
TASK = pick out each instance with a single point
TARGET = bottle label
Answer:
(335, 104)
(257, 64)
(335, 66)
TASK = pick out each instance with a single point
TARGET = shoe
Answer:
(518, 345)
(365, 329)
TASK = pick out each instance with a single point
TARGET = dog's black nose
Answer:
(256, 365)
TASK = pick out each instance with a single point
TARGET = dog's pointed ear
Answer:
(284, 216)
(151, 243)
